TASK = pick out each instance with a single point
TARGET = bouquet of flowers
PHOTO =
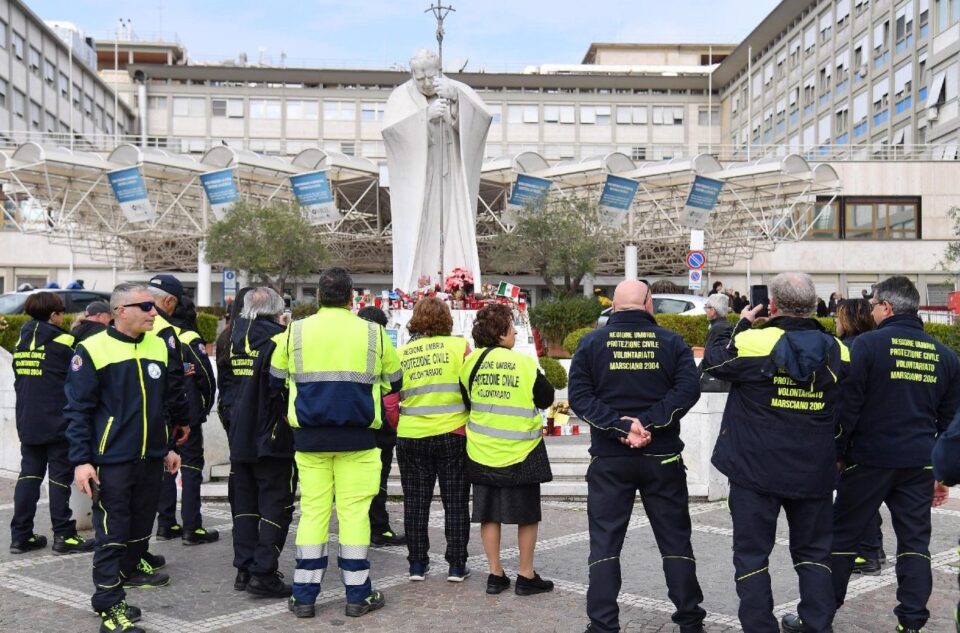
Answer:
(459, 279)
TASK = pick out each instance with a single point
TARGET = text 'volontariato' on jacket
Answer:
(779, 426)
(117, 390)
(337, 367)
(40, 363)
(633, 367)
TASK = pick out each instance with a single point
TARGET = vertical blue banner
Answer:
(617, 198)
(130, 191)
(315, 197)
(221, 189)
(701, 201)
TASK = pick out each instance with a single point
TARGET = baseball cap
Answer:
(97, 307)
(169, 284)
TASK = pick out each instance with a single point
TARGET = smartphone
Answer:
(94, 492)
(759, 295)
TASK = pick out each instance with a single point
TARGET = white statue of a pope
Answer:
(433, 186)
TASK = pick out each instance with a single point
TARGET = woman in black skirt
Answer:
(507, 459)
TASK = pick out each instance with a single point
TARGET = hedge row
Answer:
(206, 324)
(693, 329)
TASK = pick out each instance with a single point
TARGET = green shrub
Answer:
(207, 326)
(554, 371)
(217, 311)
(10, 333)
(572, 340)
(693, 328)
(303, 310)
(557, 318)
(949, 334)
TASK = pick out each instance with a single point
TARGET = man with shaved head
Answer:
(632, 381)
(776, 446)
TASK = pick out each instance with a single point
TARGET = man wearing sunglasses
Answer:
(904, 390)
(117, 389)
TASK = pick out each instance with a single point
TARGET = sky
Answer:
(494, 35)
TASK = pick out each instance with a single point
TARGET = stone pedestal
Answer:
(699, 431)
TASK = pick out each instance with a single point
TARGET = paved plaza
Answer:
(45, 592)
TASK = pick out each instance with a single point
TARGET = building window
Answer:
(303, 110)
(156, 103)
(51, 121)
(49, 72)
(922, 79)
(227, 108)
(638, 152)
(372, 111)
(881, 101)
(517, 113)
(189, 107)
(4, 86)
(904, 27)
(881, 218)
(823, 219)
(860, 114)
(843, 13)
(810, 39)
(667, 115)
(266, 109)
(881, 44)
(339, 110)
(924, 21)
(948, 14)
(36, 118)
(903, 88)
(34, 61)
(76, 96)
(562, 114)
(826, 27)
(18, 45)
(860, 6)
(707, 117)
(64, 86)
(794, 50)
(348, 148)
(595, 115)
(3, 34)
(98, 121)
(19, 103)
(842, 70)
(496, 112)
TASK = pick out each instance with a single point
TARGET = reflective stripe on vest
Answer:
(364, 378)
(504, 434)
(432, 409)
(504, 410)
(422, 389)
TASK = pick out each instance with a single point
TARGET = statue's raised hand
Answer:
(445, 88)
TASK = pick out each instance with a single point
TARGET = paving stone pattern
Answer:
(45, 592)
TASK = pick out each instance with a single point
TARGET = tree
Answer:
(272, 242)
(559, 237)
(951, 254)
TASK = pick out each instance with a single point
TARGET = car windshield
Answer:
(12, 303)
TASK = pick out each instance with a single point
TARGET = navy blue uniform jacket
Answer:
(904, 389)
(40, 363)
(778, 430)
(633, 367)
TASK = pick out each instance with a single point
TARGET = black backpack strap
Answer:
(476, 368)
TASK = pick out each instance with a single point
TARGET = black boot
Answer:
(156, 561)
(34, 542)
(115, 620)
(374, 601)
(71, 544)
(200, 536)
(240, 582)
(301, 610)
(145, 577)
(270, 586)
(171, 532)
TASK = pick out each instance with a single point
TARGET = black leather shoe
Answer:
(35, 542)
(168, 533)
(240, 582)
(791, 623)
(144, 577)
(497, 584)
(530, 586)
(374, 601)
(270, 586)
(867, 567)
(387, 539)
(156, 561)
(300, 609)
(200, 536)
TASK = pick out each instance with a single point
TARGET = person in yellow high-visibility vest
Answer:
(337, 368)
(430, 437)
(507, 459)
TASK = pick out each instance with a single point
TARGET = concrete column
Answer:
(203, 276)
(588, 285)
(630, 261)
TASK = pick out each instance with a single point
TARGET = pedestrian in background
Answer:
(507, 459)
(381, 533)
(717, 309)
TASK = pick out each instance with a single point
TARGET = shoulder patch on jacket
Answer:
(76, 362)
(758, 342)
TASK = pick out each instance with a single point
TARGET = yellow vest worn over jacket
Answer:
(430, 402)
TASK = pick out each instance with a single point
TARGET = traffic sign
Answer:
(695, 280)
(696, 260)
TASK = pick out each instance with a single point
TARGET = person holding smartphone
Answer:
(117, 388)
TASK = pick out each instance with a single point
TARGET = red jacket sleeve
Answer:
(391, 409)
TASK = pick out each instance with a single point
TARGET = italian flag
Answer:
(508, 290)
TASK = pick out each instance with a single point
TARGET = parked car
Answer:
(74, 300)
(667, 304)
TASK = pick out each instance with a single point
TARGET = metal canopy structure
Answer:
(763, 203)
(67, 195)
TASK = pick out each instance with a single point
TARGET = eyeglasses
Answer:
(874, 304)
(145, 306)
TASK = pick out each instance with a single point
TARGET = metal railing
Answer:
(551, 151)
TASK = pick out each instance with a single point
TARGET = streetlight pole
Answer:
(122, 23)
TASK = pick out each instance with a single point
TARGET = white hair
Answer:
(424, 57)
(794, 293)
(262, 301)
